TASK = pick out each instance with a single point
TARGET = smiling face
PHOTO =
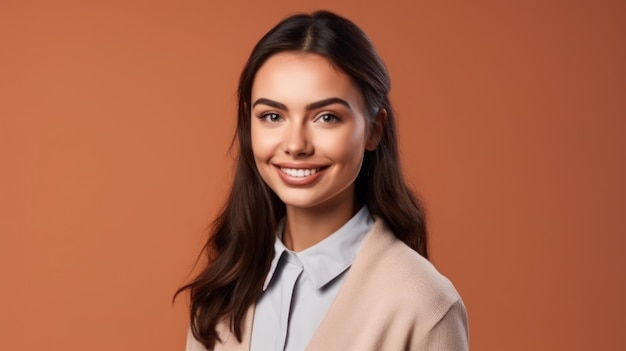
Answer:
(309, 130)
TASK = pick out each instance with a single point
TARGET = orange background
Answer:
(116, 118)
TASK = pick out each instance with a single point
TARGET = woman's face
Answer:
(308, 129)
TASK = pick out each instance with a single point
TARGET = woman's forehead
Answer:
(302, 78)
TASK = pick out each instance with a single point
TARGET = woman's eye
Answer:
(271, 117)
(328, 118)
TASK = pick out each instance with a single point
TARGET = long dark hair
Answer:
(241, 245)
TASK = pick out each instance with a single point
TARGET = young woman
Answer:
(321, 245)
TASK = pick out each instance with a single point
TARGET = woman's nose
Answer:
(297, 141)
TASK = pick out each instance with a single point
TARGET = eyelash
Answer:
(335, 119)
(265, 117)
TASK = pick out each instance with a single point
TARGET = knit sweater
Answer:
(392, 299)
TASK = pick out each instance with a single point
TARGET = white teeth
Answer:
(299, 173)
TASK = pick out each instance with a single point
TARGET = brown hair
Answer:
(241, 245)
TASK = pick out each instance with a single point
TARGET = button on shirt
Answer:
(300, 286)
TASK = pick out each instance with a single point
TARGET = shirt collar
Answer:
(279, 249)
(327, 259)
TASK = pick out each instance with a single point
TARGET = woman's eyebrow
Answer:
(326, 102)
(309, 107)
(271, 103)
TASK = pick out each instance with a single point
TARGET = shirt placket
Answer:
(291, 273)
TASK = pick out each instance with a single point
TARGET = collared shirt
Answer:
(300, 286)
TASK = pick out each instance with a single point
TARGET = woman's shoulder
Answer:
(393, 299)
(395, 270)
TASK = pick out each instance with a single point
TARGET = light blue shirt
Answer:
(300, 286)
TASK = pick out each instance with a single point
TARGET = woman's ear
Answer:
(376, 130)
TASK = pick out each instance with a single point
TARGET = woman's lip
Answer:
(300, 165)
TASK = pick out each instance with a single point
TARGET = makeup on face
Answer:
(308, 129)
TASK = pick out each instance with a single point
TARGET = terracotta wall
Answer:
(115, 121)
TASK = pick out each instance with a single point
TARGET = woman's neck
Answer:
(305, 227)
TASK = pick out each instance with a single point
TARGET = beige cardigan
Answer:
(392, 299)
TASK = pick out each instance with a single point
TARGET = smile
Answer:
(299, 173)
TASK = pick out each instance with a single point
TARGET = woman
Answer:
(321, 245)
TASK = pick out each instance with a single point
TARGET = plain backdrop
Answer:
(116, 118)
